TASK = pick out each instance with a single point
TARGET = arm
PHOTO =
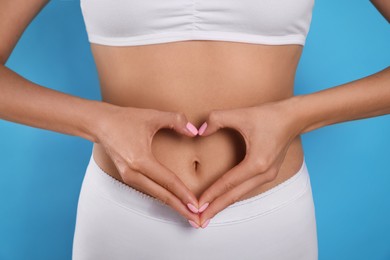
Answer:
(269, 129)
(383, 7)
(363, 98)
(25, 102)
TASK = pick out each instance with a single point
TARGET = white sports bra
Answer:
(131, 22)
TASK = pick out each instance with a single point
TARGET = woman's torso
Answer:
(196, 77)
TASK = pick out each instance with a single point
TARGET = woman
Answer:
(242, 177)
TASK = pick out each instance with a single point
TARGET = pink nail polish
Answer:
(201, 209)
(192, 223)
(192, 208)
(202, 128)
(206, 223)
(192, 128)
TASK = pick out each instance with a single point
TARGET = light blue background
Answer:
(42, 171)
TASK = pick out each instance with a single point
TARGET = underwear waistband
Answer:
(148, 206)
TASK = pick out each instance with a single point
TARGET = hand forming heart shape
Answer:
(268, 131)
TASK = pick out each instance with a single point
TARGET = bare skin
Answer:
(195, 77)
(383, 7)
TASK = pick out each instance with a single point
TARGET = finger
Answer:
(235, 194)
(246, 169)
(178, 122)
(143, 184)
(157, 172)
(218, 119)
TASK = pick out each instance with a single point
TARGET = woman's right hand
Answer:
(126, 133)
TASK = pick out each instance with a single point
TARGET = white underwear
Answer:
(116, 222)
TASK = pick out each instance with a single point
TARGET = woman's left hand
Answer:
(268, 131)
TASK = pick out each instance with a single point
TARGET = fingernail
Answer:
(192, 128)
(202, 128)
(192, 223)
(205, 223)
(192, 208)
(201, 209)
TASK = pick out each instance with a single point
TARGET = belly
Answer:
(196, 77)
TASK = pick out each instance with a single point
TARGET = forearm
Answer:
(363, 98)
(383, 7)
(25, 102)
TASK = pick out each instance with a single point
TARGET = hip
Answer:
(115, 221)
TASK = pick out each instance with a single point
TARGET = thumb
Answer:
(178, 122)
